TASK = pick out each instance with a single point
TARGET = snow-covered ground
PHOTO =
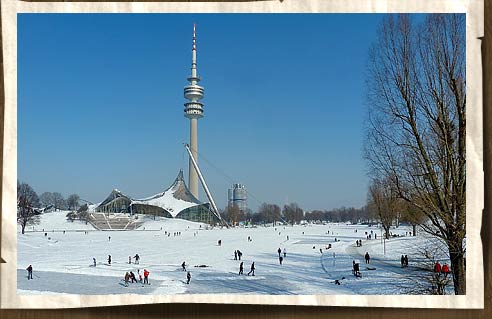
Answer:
(62, 262)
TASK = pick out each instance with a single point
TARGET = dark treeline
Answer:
(337, 215)
(293, 214)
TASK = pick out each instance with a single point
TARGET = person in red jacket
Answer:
(445, 270)
(437, 267)
(146, 276)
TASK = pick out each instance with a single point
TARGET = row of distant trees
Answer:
(29, 204)
(293, 214)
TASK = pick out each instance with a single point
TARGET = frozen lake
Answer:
(62, 262)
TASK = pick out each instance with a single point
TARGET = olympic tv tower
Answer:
(193, 110)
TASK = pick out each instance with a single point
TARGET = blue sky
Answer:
(100, 104)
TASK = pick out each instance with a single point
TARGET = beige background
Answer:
(475, 281)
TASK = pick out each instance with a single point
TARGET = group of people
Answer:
(131, 276)
(441, 270)
(241, 269)
(280, 258)
(137, 259)
(404, 261)
(237, 254)
(358, 243)
(355, 269)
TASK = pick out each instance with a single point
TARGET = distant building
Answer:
(175, 202)
(238, 196)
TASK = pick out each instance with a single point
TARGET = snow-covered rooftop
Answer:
(174, 199)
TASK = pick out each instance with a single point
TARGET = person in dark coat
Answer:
(402, 260)
(406, 260)
(239, 254)
(94, 261)
(183, 266)
(279, 251)
(367, 257)
(252, 269)
(132, 277)
(188, 277)
(109, 259)
(235, 254)
(137, 259)
(241, 268)
(29, 272)
(280, 259)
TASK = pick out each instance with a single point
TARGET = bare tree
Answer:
(416, 123)
(293, 213)
(269, 213)
(27, 199)
(46, 199)
(232, 213)
(384, 202)
(73, 201)
(58, 201)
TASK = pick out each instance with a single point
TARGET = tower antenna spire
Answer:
(194, 36)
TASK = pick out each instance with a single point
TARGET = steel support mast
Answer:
(205, 188)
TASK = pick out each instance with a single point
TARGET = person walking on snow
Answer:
(137, 259)
(406, 260)
(285, 253)
(139, 276)
(109, 260)
(183, 266)
(29, 272)
(280, 259)
(252, 269)
(402, 260)
(146, 277)
(279, 251)
(241, 268)
(235, 254)
(129, 259)
(239, 254)
(188, 277)
(367, 257)
(94, 261)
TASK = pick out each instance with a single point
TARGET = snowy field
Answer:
(63, 264)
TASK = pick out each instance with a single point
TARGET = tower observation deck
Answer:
(193, 109)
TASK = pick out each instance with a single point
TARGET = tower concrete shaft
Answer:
(193, 110)
(193, 177)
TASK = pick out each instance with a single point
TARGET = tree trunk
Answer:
(414, 230)
(387, 231)
(459, 274)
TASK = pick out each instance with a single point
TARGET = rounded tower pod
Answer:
(193, 110)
